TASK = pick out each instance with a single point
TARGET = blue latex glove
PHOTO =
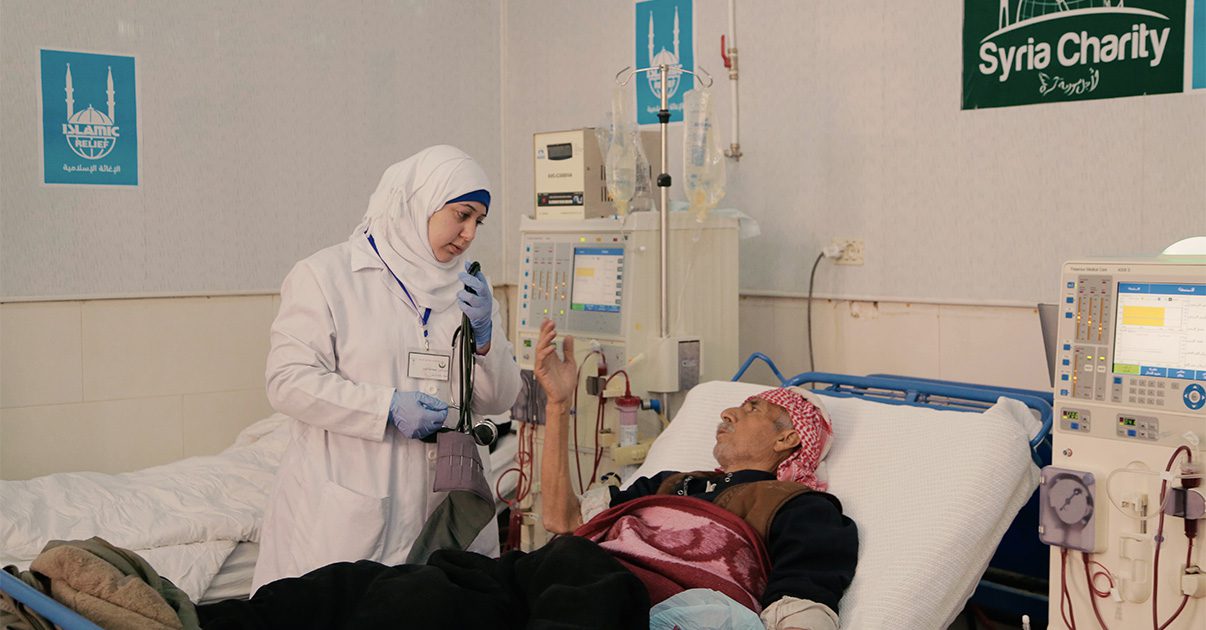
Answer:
(416, 414)
(477, 307)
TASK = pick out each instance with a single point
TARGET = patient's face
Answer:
(747, 434)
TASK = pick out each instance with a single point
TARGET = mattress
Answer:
(233, 580)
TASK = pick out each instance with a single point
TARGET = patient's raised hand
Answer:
(558, 376)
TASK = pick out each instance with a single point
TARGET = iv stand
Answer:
(663, 178)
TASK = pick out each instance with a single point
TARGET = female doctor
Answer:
(361, 358)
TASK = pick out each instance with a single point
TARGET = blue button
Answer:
(1063, 377)
(530, 249)
(525, 296)
(1201, 375)
(1195, 397)
(1130, 433)
(1117, 380)
(525, 304)
(1151, 370)
(525, 260)
(1075, 426)
(1067, 346)
(523, 322)
(525, 274)
(1185, 374)
(1071, 285)
(1068, 315)
(1068, 300)
(1063, 392)
(1067, 362)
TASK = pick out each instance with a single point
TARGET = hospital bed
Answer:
(932, 473)
(196, 520)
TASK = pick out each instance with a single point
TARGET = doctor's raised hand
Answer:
(360, 360)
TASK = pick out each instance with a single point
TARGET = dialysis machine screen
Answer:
(598, 279)
(1160, 331)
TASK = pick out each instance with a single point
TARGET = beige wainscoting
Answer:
(117, 385)
(995, 345)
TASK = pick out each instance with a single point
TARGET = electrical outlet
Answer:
(852, 251)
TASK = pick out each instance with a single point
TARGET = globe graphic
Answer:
(90, 146)
(1035, 8)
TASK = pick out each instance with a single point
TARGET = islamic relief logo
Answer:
(664, 57)
(91, 134)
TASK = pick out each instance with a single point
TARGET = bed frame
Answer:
(1015, 582)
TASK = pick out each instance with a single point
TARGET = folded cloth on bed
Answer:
(568, 583)
(110, 586)
(677, 543)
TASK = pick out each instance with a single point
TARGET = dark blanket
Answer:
(568, 583)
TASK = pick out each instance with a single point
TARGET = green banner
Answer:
(1019, 52)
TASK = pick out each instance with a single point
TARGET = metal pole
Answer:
(663, 182)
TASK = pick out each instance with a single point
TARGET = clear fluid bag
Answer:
(621, 158)
(703, 162)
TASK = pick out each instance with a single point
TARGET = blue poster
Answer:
(664, 31)
(1199, 44)
(89, 119)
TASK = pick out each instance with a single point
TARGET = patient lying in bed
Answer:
(765, 533)
(761, 530)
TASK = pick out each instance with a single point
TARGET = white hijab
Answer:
(409, 193)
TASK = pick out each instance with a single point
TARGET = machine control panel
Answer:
(1138, 427)
(1133, 341)
(1075, 419)
(576, 282)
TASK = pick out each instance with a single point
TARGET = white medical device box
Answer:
(597, 279)
(571, 176)
(1130, 387)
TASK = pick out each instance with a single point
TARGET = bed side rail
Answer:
(920, 392)
(57, 613)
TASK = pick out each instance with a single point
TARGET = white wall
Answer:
(851, 127)
(264, 127)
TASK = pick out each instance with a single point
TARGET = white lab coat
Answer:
(350, 485)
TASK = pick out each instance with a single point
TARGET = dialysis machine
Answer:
(1122, 503)
(598, 280)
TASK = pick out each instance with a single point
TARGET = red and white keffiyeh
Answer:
(812, 424)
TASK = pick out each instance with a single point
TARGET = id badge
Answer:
(430, 366)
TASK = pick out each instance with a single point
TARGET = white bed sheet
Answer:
(932, 492)
(186, 518)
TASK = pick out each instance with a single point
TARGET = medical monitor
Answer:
(1160, 330)
(598, 279)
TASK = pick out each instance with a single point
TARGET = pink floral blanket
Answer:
(677, 543)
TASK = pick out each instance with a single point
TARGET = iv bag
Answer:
(621, 156)
(642, 200)
(703, 162)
